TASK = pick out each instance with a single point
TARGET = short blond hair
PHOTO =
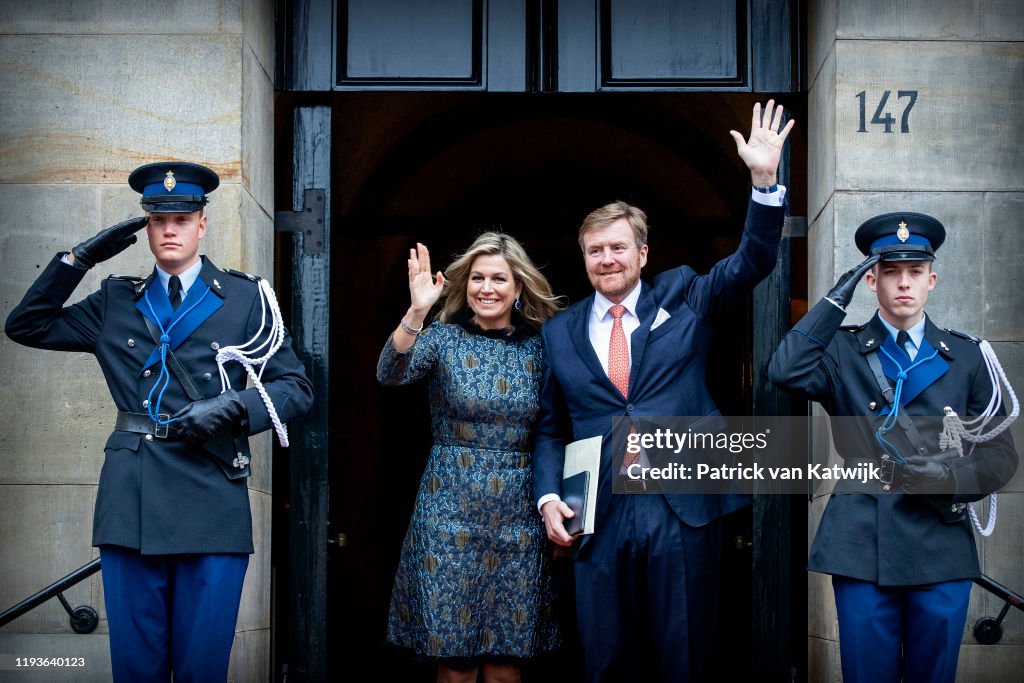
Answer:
(601, 218)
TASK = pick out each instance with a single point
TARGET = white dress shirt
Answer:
(601, 322)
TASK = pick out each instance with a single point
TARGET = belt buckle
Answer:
(160, 430)
(634, 485)
(888, 472)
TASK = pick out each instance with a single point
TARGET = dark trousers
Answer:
(647, 593)
(171, 613)
(906, 633)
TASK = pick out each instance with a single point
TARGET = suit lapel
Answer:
(214, 277)
(579, 330)
(872, 335)
(647, 311)
(939, 339)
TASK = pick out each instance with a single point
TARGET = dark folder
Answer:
(574, 494)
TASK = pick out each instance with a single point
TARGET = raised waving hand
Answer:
(762, 151)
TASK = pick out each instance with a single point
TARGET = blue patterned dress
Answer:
(473, 582)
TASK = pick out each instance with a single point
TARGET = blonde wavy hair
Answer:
(538, 302)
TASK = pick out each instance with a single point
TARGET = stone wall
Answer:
(959, 161)
(89, 91)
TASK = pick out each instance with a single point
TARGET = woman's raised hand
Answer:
(424, 291)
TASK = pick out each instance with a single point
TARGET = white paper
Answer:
(585, 455)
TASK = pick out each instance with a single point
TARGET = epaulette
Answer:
(244, 276)
(853, 328)
(964, 335)
(128, 278)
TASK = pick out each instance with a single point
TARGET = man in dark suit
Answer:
(172, 518)
(900, 549)
(646, 579)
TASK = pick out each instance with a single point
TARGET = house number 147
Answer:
(884, 118)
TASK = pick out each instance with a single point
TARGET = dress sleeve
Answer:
(395, 369)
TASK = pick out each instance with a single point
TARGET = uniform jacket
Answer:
(668, 366)
(165, 496)
(865, 533)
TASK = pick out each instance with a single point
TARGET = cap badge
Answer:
(169, 181)
(903, 233)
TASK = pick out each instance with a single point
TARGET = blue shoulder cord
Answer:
(891, 418)
(165, 340)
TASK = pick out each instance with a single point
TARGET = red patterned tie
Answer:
(618, 366)
(618, 352)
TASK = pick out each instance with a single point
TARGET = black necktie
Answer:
(902, 337)
(174, 291)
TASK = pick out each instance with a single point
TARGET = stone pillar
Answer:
(89, 91)
(954, 75)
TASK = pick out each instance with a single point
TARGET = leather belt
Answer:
(141, 423)
(630, 485)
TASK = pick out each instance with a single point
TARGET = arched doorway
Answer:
(441, 167)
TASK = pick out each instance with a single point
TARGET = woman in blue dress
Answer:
(473, 588)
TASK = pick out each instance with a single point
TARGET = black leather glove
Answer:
(109, 243)
(200, 421)
(842, 292)
(925, 474)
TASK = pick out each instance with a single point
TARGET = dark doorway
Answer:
(441, 167)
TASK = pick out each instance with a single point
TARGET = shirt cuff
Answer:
(64, 259)
(834, 304)
(545, 498)
(771, 198)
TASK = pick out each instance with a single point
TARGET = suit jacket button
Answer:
(214, 346)
(131, 343)
(629, 407)
(872, 405)
(207, 376)
(147, 373)
(149, 437)
(145, 403)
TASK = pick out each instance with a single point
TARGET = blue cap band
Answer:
(179, 188)
(894, 241)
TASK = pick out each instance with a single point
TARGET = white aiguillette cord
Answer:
(955, 431)
(246, 354)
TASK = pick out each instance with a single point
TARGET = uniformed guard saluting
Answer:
(172, 518)
(901, 564)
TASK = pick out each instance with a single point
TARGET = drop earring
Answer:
(518, 304)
